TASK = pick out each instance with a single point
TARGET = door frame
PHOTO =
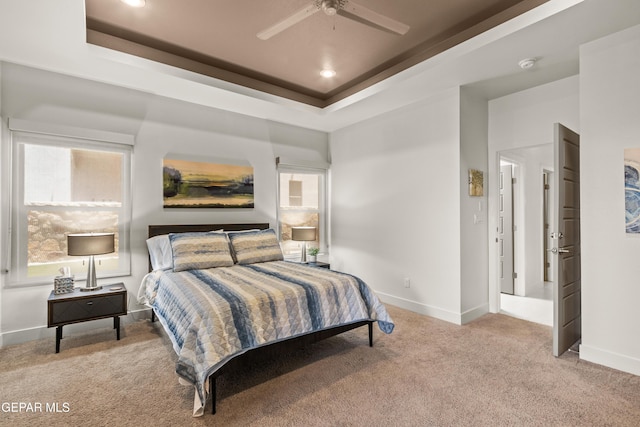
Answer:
(518, 220)
(506, 235)
(512, 155)
(494, 282)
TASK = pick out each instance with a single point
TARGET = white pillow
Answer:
(160, 252)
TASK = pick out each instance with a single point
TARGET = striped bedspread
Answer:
(215, 314)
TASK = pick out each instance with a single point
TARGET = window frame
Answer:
(323, 199)
(21, 133)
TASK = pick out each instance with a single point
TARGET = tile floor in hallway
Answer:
(535, 307)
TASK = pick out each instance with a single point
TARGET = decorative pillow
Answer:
(256, 246)
(199, 250)
(233, 253)
(160, 252)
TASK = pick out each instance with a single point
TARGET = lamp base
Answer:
(92, 284)
(303, 255)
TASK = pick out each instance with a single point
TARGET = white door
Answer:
(505, 230)
(567, 320)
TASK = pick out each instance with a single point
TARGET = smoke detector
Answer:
(527, 63)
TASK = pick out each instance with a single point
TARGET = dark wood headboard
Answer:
(156, 230)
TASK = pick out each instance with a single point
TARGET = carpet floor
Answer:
(496, 370)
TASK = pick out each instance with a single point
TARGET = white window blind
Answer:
(302, 200)
(61, 185)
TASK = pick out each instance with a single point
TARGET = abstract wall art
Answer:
(632, 189)
(190, 184)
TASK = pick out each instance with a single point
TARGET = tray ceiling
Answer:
(219, 39)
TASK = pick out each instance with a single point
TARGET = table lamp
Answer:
(304, 235)
(90, 244)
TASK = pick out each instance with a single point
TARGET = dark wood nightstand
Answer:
(320, 264)
(79, 306)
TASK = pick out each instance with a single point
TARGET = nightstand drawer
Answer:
(87, 308)
(82, 306)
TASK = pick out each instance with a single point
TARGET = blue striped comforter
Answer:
(215, 314)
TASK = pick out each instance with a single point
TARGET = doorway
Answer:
(526, 223)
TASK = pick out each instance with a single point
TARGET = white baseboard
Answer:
(420, 308)
(26, 335)
(610, 359)
(475, 313)
(40, 332)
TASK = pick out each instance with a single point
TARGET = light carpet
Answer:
(496, 370)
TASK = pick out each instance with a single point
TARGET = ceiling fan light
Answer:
(330, 10)
(330, 7)
(134, 3)
(327, 73)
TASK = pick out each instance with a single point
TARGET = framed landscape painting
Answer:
(189, 184)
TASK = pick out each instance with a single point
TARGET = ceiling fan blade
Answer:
(289, 21)
(366, 16)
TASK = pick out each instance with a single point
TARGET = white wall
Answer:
(524, 119)
(3, 206)
(609, 116)
(474, 283)
(160, 126)
(601, 104)
(396, 204)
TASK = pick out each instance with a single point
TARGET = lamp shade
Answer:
(303, 234)
(90, 244)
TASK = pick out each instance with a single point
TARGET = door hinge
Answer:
(515, 275)
(513, 180)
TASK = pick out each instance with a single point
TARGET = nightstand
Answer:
(320, 264)
(79, 306)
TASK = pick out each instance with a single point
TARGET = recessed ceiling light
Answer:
(134, 3)
(327, 73)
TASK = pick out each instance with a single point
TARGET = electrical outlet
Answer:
(407, 282)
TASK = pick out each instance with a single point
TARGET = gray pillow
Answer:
(256, 246)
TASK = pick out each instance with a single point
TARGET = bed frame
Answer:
(280, 346)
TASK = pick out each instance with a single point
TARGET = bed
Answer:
(223, 292)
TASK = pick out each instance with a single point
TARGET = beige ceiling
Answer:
(218, 39)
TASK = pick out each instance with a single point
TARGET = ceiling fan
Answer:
(346, 8)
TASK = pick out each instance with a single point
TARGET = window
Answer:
(302, 200)
(295, 193)
(66, 185)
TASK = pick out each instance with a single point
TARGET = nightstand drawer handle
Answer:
(90, 303)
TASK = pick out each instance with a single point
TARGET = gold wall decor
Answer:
(476, 182)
